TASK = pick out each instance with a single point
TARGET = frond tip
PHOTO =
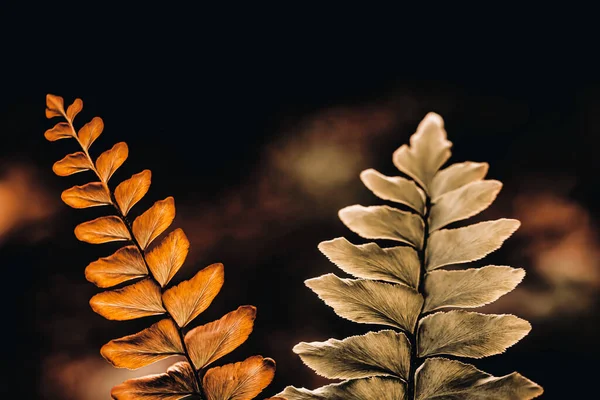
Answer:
(387, 364)
(151, 267)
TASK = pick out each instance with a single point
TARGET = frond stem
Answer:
(412, 337)
(134, 241)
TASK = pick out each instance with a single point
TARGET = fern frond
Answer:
(405, 287)
(152, 266)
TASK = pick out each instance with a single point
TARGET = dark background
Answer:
(260, 137)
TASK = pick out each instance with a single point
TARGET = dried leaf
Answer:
(166, 258)
(463, 203)
(155, 343)
(470, 243)
(470, 288)
(369, 261)
(240, 381)
(109, 161)
(130, 191)
(188, 299)
(384, 222)
(457, 175)
(177, 384)
(469, 334)
(72, 164)
(384, 353)
(90, 132)
(440, 378)
(125, 264)
(74, 109)
(102, 230)
(154, 221)
(429, 149)
(398, 189)
(89, 195)
(356, 389)
(134, 301)
(369, 302)
(55, 106)
(208, 343)
(62, 130)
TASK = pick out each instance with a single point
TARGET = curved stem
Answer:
(414, 359)
(134, 241)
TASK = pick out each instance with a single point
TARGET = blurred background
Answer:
(260, 148)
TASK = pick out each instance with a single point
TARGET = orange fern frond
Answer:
(151, 267)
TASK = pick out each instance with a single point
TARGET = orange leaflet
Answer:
(130, 191)
(166, 258)
(62, 130)
(154, 221)
(212, 341)
(125, 264)
(102, 230)
(89, 195)
(188, 299)
(179, 382)
(90, 132)
(109, 161)
(74, 109)
(159, 341)
(240, 381)
(134, 301)
(72, 164)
